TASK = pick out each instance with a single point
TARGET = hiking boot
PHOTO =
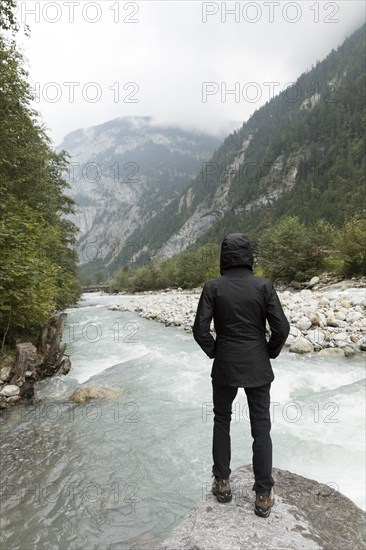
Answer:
(222, 490)
(263, 503)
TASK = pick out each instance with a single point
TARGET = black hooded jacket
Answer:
(240, 303)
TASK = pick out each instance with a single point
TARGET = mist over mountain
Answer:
(123, 173)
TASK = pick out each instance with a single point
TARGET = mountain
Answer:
(123, 173)
(302, 153)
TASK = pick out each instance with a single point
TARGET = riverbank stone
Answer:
(5, 373)
(363, 345)
(301, 345)
(324, 317)
(332, 352)
(313, 281)
(83, 394)
(303, 323)
(10, 390)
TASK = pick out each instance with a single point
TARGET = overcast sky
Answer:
(176, 61)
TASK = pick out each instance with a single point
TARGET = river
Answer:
(120, 474)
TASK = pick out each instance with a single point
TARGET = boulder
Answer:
(82, 394)
(301, 345)
(306, 514)
(295, 284)
(349, 351)
(306, 294)
(10, 390)
(332, 352)
(331, 322)
(5, 373)
(340, 337)
(340, 315)
(316, 337)
(354, 316)
(313, 281)
(303, 323)
(315, 320)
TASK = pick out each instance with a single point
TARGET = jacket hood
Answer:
(235, 250)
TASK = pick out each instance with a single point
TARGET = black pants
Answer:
(260, 422)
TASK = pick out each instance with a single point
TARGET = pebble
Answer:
(332, 352)
(10, 390)
(319, 320)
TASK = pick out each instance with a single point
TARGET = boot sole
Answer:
(223, 498)
(261, 513)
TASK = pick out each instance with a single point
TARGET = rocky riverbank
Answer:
(326, 316)
(29, 363)
(306, 514)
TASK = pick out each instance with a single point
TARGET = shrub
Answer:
(291, 250)
(352, 245)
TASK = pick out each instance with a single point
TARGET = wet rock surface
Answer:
(83, 394)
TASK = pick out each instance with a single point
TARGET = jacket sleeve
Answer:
(280, 327)
(202, 322)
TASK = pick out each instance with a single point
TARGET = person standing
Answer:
(240, 303)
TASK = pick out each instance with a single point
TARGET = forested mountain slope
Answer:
(302, 153)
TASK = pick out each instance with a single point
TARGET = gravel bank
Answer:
(328, 319)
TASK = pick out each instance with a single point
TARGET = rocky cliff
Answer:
(306, 515)
(122, 174)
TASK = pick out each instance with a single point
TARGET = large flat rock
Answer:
(306, 515)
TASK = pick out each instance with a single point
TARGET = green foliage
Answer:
(38, 271)
(189, 269)
(8, 20)
(352, 245)
(28, 288)
(289, 249)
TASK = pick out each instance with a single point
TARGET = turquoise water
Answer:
(121, 473)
